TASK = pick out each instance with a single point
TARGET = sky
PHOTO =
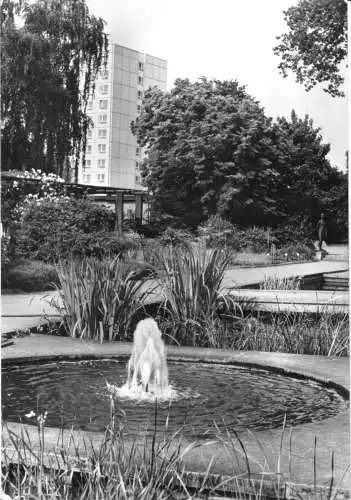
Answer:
(226, 40)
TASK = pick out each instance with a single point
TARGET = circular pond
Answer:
(236, 398)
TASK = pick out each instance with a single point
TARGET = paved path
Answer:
(243, 277)
(313, 301)
(21, 311)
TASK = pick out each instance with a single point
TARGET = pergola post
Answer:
(119, 212)
(138, 208)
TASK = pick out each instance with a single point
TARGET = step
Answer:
(336, 257)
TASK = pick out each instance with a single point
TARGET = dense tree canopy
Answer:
(301, 161)
(316, 43)
(210, 149)
(51, 53)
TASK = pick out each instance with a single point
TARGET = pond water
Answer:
(75, 394)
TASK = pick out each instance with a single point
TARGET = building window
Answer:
(102, 163)
(137, 165)
(138, 108)
(140, 80)
(137, 179)
(141, 66)
(89, 149)
(104, 75)
(89, 134)
(86, 178)
(101, 177)
(87, 163)
(137, 151)
(102, 148)
(103, 104)
(90, 104)
(140, 94)
(102, 118)
(102, 133)
(103, 89)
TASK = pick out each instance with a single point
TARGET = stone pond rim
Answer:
(332, 433)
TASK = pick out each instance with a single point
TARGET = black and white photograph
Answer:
(174, 250)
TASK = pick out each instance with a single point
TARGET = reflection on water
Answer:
(76, 393)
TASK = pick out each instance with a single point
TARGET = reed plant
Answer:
(98, 298)
(296, 333)
(276, 282)
(191, 280)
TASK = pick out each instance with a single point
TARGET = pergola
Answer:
(116, 196)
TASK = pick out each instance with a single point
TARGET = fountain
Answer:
(235, 391)
(147, 363)
(192, 392)
(147, 372)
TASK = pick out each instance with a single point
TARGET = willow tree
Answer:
(52, 51)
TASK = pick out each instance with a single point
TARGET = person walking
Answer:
(321, 231)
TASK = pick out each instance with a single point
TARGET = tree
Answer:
(48, 70)
(309, 184)
(316, 44)
(208, 151)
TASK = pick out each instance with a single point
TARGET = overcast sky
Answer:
(225, 39)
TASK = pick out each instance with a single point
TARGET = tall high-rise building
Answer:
(113, 156)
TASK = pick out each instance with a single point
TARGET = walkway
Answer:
(246, 277)
(22, 311)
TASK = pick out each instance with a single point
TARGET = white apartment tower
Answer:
(113, 157)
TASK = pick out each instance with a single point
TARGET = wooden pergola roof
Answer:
(100, 193)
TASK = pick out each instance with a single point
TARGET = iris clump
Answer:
(98, 298)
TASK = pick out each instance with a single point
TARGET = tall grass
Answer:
(98, 298)
(276, 282)
(116, 467)
(191, 281)
(296, 333)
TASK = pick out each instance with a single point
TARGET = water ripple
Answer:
(75, 393)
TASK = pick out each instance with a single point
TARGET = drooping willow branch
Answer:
(52, 51)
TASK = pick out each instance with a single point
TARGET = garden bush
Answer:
(28, 276)
(50, 230)
(294, 230)
(303, 250)
(5, 250)
(256, 239)
(219, 232)
(175, 237)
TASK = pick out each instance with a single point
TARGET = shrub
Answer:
(5, 250)
(219, 232)
(159, 224)
(98, 299)
(256, 239)
(297, 251)
(175, 237)
(29, 276)
(99, 245)
(293, 231)
(51, 229)
(28, 185)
